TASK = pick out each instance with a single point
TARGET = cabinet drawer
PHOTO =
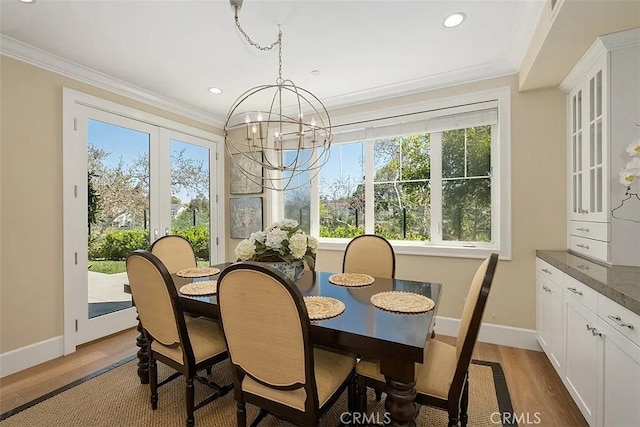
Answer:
(589, 247)
(621, 319)
(550, 272)
(581, 292)
(592, 230)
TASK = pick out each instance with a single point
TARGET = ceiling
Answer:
(364, 50)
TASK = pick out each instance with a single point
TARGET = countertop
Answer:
(618, 283)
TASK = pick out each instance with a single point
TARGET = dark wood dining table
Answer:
(397, 340)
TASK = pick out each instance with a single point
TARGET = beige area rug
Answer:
(116, 398)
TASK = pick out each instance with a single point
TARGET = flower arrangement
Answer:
(632, 171)
(281, 241)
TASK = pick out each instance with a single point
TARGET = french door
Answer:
(127, 183)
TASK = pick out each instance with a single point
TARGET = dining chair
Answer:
(186, 345)
(442, 380)
(274, 364)
(370, 254)
(175, 252)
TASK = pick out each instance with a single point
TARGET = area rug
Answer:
(114, 397)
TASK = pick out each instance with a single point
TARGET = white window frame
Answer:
(500, 189)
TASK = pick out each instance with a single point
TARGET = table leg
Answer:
(143, 355)
(401, 392)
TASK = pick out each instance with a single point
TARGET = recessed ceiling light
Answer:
(454, 19)
(215, 90)
(315, 72)
(27, 1)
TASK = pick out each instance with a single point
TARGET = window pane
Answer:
(190, 216)
(415, 160)
(297, 199)
(466, 210)
(402, 210)
(342, 192)
(386, 159)
(479, 151)
(453, 153)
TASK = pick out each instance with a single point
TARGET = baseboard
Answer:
(31, 355)
(492, 333)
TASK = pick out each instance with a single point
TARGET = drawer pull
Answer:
(544, 270)
(583, 246)
(546, 288)
(590, 328)
(575, 291)
(619, 321)
(586, 230)
(583, 267)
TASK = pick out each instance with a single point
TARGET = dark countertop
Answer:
(618, 283)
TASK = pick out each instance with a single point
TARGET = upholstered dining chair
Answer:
(274, 364)
(175, 252)
(370, 254)
(186, 345)
(442, 380)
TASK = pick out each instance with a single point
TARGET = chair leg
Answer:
(153, 383)
(190, 402)
(352, 394)
(464, 403)
(241, 414)
(209, 370)
(362, 394)
(378, 395)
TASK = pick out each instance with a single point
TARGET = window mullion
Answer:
(369, 220)
(436, 187)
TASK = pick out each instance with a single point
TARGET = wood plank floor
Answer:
(533, 383)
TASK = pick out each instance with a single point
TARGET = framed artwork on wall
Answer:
(245, 214)
(240, 184)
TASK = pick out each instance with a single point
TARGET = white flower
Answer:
(298, 245)
(275, 237)
(288, 223)
(313, 243)
(245, 250)
(634, 148)
(626, 177)
(634, 166)
(258, 236)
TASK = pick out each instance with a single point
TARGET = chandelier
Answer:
(277, 135)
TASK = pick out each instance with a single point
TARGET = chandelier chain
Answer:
(278, 43)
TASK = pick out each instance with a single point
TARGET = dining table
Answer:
(397, 340)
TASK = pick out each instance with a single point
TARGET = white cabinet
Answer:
(581, 357)
(550, 314)
(594, 345)
(619, 376)
(603, 107)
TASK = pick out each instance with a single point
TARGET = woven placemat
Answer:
(351, 279)
(323, 307)
(402, 302)
(198, 272)
(207, 287)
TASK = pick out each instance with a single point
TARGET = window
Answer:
(436, 181)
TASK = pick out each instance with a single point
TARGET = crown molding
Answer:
(424, 84)
(600, 46)
(37, 57)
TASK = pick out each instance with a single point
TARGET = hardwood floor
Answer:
(534, 386)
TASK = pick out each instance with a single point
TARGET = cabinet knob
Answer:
(619, 322)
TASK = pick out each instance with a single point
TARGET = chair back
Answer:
(370, 254)
(157, 301)
(175, 252)
(266, 326)
(471, 318)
